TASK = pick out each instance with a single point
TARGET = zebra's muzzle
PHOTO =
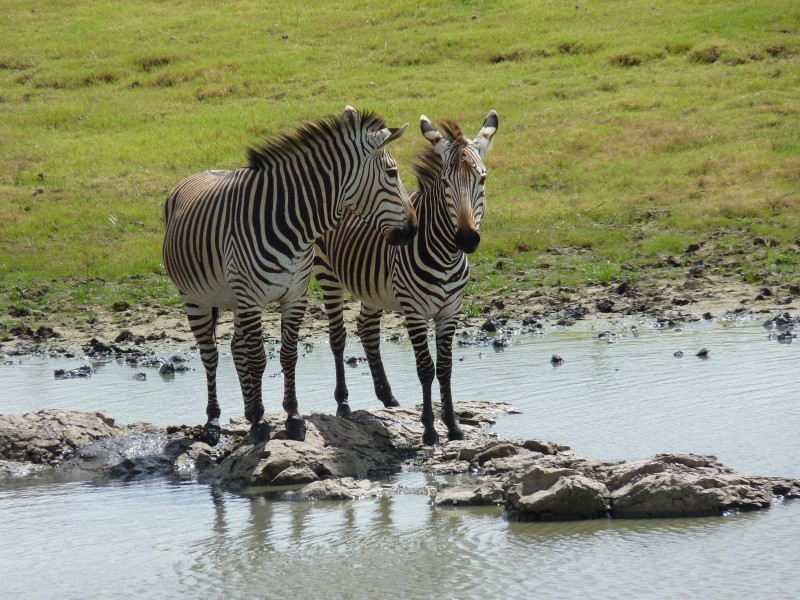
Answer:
(401, 236)
(467, 240)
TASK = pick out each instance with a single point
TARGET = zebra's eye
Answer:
(483, 179)
(392, 171)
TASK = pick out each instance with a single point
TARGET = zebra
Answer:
(241, 239)
(425, 280)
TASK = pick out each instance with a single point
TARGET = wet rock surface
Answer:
(341, 459)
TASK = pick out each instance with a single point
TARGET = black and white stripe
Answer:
(242, 239)
(424, 280)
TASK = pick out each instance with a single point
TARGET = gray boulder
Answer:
(545, 494)
(48, 436)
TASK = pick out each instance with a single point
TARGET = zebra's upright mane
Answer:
(428, 165)
(288, 144)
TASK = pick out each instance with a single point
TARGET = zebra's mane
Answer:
(428, 165)
(288, 144)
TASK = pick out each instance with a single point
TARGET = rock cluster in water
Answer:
(533, 480)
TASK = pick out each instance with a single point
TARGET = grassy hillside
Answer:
(628, 130)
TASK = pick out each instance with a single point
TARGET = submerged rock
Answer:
(533, 480)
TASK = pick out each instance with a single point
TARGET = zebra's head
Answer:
(373, 189)
(463, 176)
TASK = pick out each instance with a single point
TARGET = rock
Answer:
(683, 495)
(544, 447)
(491, 325)
(605, 305)
(463, 494)
(346, 488)
(556, 360)
(499, 450)
(13, 469)
(558, 494)
(166, 369)
(83, 371)
(48, 436)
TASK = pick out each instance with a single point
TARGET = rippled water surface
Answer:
(628, 399)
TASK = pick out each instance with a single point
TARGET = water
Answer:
(631, 399)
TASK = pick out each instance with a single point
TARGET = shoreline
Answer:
(597, 307)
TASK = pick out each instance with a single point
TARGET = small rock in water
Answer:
(703, 353)
(84, 371)
(678, 354)
(140, 376)
(166, 369)
(501, 342)
(556, 360)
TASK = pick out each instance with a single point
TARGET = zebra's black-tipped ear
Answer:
(432, 134)
(484, 137)
(429, 130)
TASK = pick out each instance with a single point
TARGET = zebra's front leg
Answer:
(333, 300)
(251, 360)
(445, 329)
(203, 323)
(418, 332)
(291, 317)
(369, 330)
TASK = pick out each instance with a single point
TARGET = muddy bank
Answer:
(135, 330)
(345, 459)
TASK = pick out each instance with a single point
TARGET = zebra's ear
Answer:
(350, 114)
(484, 138)
(394, 133)
(432, 134)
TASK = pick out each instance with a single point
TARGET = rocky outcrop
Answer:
(343, 459)
(48, 436)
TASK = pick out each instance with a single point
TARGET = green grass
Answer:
(627, 130)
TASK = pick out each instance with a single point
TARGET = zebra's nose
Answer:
(467, 240)
(401, 236)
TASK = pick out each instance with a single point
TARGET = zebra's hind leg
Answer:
(369, 330)
(250, 360)
(418, 332)
(291, 317)
(203, 323)
(333, 300)
(445, 329)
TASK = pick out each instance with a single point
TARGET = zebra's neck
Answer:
(302, 194)
(435, 241)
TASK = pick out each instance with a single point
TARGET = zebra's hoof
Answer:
(455, 433)
(212, 432)
(430, 437)
(296, 428)
(259, 432)
(391, 403)
(343, 410)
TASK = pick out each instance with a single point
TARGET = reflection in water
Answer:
(633, 398)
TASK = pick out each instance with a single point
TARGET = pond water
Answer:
(73, 538)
